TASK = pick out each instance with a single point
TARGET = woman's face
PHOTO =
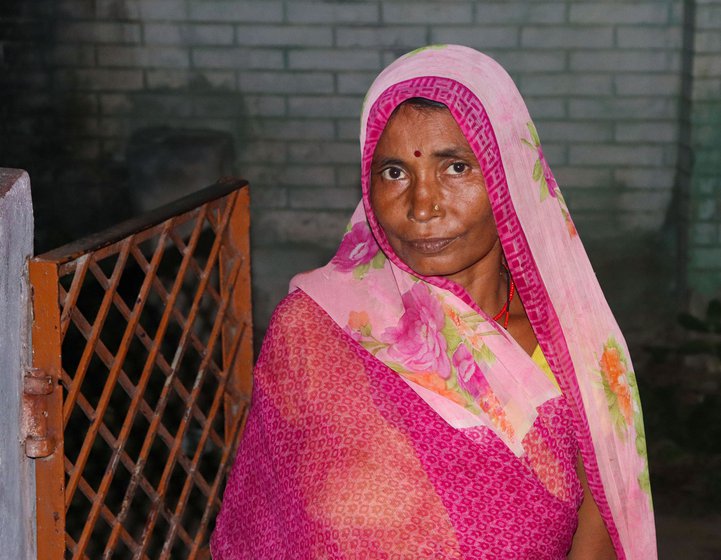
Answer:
(429, 196)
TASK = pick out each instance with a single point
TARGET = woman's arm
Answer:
(591, 541)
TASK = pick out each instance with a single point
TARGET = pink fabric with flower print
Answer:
(425, 329)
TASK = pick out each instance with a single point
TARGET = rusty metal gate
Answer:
(141, 377)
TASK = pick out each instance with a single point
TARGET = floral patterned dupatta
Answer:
(455, 357)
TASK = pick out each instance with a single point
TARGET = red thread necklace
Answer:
(506, 309)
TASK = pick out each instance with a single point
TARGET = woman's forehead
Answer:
(413, 125)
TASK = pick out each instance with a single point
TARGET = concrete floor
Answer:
(688, 538)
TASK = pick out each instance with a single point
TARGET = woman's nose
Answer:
(424, 203)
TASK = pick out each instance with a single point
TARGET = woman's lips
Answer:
(430, 246)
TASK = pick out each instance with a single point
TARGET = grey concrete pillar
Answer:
(17, 472)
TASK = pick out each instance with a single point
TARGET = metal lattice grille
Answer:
(152, 382)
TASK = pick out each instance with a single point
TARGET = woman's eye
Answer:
(457, 168)
(392, 173)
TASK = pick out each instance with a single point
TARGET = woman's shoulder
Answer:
(296, 309)
(297, 319)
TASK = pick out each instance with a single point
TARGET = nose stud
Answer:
(436, 208)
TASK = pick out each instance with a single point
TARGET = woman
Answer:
(452, 384)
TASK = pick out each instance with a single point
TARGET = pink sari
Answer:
(392, 418)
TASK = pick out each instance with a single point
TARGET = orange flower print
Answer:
(614, 371)
(619, 385)
(358, 319)
(433, 382)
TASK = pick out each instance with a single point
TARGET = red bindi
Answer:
(417, 153)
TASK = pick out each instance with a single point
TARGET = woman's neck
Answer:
(486, 281)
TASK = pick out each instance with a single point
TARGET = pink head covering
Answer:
(464, 365)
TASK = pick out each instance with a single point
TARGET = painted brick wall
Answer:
(286, 78)
(705, 208)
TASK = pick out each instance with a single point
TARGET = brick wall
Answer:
(704, 256)
(286, 78)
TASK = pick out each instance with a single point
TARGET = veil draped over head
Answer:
(456, 361)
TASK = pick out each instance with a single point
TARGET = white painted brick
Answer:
(167, 79)
(641, 221)
(297, 129)
(588, 199)
(117, 9)
(355, 82)
(707, 185)
(265, 105)
(581, 177)
(284, 35)
(375, 37)
(300, 226)
(268, 196)
(624, 14)
(347, 129)
(520, 12)
(145, 10)
(620, 108)
(332, 12)
(98, 32)
(567, 37)
(706, 88)
(704, 234)
(201, 80)
(324, 106)
(708, 17)
(648, 37)
(168, 10)
(544, 108)
(115, 104)
(323, 198)
(670, 154)
(646, 200)
(348, 176)
(555, 153)
(705, 209)
(431, 13)
(566, 84)
(480, 38)
(707, 41)
(332, 59)
(285, 82)
(707, 66)
(265, 59)
(222, 105)
(193, 34)
(268, 151)
(324, 152)
(568, 131)
(73, 55)
(161, 105)
(656, 178)
(611, 154)
(542, 61)
(648, 84)
(705, 134)
(240, 11)
(75, 9)
(164, 57)
(624, 61)
(99, 79)
(649, 132)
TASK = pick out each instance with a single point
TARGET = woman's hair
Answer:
(422, 104)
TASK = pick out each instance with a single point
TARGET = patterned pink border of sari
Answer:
(473, 120)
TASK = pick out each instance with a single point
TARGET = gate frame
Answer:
(43, 391)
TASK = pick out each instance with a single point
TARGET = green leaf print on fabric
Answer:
(547, 185)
